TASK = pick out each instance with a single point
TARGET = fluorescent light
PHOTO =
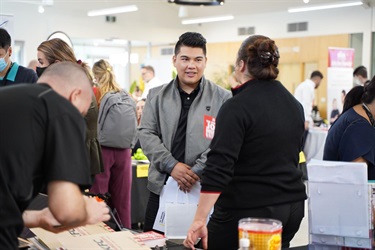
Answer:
(110, 11)
(207, 19)
(323, 7)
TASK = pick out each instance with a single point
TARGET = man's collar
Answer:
(196, 90)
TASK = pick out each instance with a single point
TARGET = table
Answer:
(139, 196)
(314, 146)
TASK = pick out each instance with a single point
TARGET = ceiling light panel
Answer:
(111, 11)
(207, 19)
(323, 7)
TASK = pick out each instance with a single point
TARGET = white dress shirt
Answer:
(305, 94)
(154, 82)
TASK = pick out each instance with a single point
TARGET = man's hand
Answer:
(184, 176)
(42, 218)
(97, 211)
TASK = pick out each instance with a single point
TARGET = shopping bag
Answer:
(178, 218)
(172, 194)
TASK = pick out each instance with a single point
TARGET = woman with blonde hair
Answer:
(117, 176)
(54, 51)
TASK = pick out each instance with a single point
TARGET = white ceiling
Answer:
(155, 13)
(159, 10)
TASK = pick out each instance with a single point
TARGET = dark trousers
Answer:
(151, 211)
(223, 224)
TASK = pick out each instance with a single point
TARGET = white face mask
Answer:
(3, 63)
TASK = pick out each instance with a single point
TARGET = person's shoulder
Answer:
(55, 101)
(222, 92)
(160, 90)
(24, 69)
(26, 74)
(352, 122)
(156, 81)
(305, 83)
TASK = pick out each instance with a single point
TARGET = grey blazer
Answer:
(159, 124)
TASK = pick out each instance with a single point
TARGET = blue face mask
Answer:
(3, 63)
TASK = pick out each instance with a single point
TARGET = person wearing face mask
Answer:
(56, 51)
(360, 76)
(11, 72)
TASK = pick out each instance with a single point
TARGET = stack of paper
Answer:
(98, 236)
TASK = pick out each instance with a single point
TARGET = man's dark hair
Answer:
(361, 71)
(5, 40)
(316, 73)
(190, 39)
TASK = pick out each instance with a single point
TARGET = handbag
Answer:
(176, 209)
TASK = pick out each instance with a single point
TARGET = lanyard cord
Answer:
(367, 110)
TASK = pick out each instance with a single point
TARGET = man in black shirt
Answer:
(178, 122)
(42, 144)
(11, 72)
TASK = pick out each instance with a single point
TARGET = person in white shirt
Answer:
(151, 81)
(305, 94)
(360, 76)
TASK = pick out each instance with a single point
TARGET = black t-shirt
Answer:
(42, 140)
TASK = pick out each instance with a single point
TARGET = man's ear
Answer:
(10, 51)
(74, 96)
(174, 60)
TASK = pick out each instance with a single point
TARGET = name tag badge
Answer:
(209, 127)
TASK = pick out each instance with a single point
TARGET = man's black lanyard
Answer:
(5, 80)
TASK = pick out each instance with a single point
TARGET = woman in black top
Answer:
(252, 166)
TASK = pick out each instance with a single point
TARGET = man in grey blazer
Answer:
(178, 122)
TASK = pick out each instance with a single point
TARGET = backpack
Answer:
(117, 120)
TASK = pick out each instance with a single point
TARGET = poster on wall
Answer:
(339, 79)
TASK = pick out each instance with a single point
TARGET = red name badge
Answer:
(209, 127)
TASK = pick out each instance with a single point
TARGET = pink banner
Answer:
(340, 58)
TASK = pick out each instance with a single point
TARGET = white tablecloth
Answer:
(314, 146)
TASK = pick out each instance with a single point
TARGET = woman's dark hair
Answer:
(359, 94)
(261, 55)
(191, 39)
